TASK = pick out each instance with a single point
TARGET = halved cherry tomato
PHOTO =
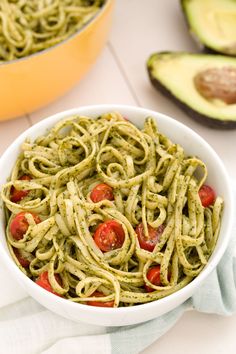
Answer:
(43, 281)
(24, 262)
(207, 195)
(99, 303)
(149, 243)
(19, 224)
(153, 275)
(16, 194)
(100, 192)
(109, 236)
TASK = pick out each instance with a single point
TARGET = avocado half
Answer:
(173, 73)
(213, 23)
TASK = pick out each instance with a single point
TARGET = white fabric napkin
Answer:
(28, 328)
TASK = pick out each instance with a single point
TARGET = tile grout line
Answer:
(27, 115)
(122, 71)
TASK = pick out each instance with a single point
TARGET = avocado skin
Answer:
(205, 49)
(200, 118)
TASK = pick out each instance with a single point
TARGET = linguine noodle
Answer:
(154, 182)
(27, 27)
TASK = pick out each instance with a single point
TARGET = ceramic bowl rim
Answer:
(142, 307)
(68, 39)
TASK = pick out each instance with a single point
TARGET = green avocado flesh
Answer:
(173, 73)
(213, 22)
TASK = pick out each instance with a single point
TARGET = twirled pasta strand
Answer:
(153, 181)
(27, 27)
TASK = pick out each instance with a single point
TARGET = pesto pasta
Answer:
(103, 213)
(27, 27)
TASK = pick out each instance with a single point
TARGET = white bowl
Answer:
(193, 145)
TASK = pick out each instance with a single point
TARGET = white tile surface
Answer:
(103, 84)
(9, 130)
(158, 25)
(197, 333)
(119, 76)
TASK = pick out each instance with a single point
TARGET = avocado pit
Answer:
(217, 83)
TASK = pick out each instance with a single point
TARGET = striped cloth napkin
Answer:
(28, 328)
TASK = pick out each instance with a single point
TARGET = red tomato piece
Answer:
(101, 192)
(149, 243)
(43, 281)
(99, 303)
(207, 195)
(24, 262)
(109, 235)
(19, 224)
(153, 275)
(16, 194)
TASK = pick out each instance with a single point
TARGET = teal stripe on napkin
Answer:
(216, 295)
(134, 339)
(28, 328)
